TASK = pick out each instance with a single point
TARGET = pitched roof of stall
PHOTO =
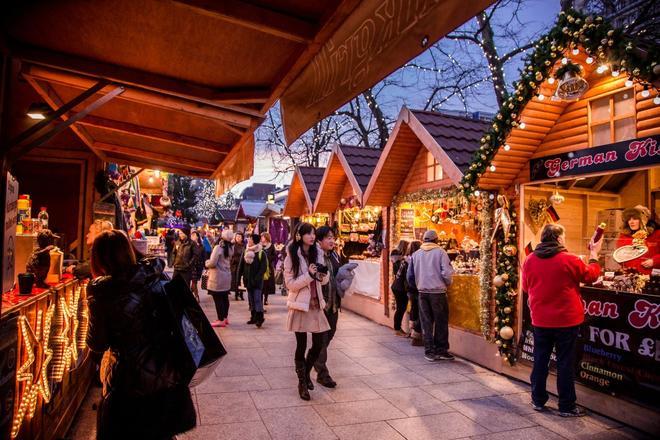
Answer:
(312, 177)
(362, 162)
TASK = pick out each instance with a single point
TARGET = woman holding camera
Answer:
(304, 274)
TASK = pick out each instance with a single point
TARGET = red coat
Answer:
(553, 285)
(653, 243)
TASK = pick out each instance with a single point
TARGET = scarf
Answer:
(251, 252)
(548, 249)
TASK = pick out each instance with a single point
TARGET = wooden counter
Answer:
(48, 370)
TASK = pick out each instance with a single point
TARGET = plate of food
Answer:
(628, 253)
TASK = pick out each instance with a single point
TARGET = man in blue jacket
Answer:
(431, 271)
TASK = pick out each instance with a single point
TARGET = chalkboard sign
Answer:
(407, 223)
(618, 348)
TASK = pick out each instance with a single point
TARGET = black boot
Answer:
(253, 317)
(308, 368)
(260, 319)
(302, 380)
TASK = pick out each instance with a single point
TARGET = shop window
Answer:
(433, 168)
(612, 118)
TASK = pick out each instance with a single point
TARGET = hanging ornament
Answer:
(556, 198)
(507, 310)
(498, 281)
(571, 83)
(506, 332)
(510, 250)
(505, 277)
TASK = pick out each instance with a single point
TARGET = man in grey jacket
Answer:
(431, 271)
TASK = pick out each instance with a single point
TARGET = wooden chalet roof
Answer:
(199, 76)
(554, 127)
(305, 185)
(451, 139)
(348, 165)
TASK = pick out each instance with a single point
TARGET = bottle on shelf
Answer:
(43, 217)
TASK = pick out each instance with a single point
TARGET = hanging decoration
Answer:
(572, 30)
(506, 283)
(571, 83)
(486, 269)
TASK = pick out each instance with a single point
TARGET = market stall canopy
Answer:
(305, 185)
(452, 140)
(349, 170)
(560, 126)
(250, 210)
(198, 76)
(228, 215)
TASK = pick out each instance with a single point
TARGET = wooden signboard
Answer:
(378, 37)
(9, 245)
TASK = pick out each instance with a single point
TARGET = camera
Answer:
(322, 268)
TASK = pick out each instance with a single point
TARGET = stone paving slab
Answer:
(386, 390)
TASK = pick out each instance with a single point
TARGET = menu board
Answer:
(618, 348)
(407, 223)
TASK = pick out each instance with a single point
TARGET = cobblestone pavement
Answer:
(386, 390)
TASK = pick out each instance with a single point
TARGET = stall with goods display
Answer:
(300, 200)
(577, 144)
(358, 226)
(416, 183)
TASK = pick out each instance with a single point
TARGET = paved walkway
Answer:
(386, 391)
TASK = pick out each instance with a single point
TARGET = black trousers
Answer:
(563, 340)
(301, 347)
(320, 365)
(221, 300)
(401, 306)
(434, 314)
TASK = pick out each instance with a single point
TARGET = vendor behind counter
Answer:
(640, 230)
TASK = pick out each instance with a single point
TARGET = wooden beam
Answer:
(602, 182)
(221, 97)
(145, 97)
(572, 184)
(155, 134)
(156, 157)
(52, 99)
(255, 17)
(148, 165)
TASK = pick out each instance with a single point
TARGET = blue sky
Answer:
(538, 15)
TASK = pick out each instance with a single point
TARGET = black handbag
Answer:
(200, 348)
(399, 283)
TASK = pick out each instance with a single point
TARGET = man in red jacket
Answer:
(551, 277)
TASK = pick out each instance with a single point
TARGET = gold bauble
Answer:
(498, 343)
(510, 250)
(505, 276)
(506, 332)
(498, 281)
(507, 310)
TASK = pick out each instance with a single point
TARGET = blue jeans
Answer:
(434, 314)
(563, 340)
(255, 300)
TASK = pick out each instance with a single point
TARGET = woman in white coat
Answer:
(219, 283)
(305, 301)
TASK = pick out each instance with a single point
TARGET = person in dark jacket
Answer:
(325, 239)
(170, 243)
(551, 278)
(183, 257)
(239, 247)
(199, 258)
(39, 261)
(397, 257)
(413, 296)
(136, 403)
(269, 250)
(251, 269)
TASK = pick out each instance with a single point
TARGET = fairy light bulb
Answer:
(477, 193)
(564, 61)
(629, 82)
(656, 100)
(507, 147)
(541, 97)
(522, 125)
(551, 80)
(615, 73)
(576, 51)
(589, 60)
(492, 168)
(645, 92)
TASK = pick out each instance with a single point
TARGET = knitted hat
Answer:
(639, 212)
(430, 235)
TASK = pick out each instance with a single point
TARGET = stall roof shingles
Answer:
(458, 136)
(312, 177)
(362, 162)
(228, 214)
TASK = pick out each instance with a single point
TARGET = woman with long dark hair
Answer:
(198, 262)
(305, 301)
(399, 269)
(252, 269)
(271, 254)
(239, 246)
(413, 295)
(137, 402)
(219, 281)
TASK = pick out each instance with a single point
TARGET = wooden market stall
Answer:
(359, 227)
(299, 205)
(577, 144)
(416, 181)
(127, 85)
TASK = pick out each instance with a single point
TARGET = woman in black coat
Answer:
(271, 253)
(239, 247)
(139, 400)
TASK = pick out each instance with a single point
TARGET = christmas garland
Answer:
(572, 30)
(486, 270)
(506, 283)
